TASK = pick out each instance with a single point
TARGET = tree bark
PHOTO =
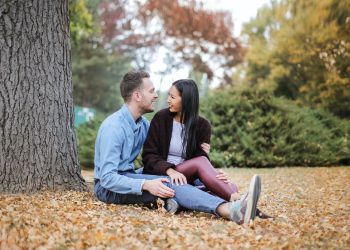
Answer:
(38, 144)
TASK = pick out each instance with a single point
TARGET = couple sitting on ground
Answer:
(175, 155)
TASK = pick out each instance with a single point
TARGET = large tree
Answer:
(38, 144)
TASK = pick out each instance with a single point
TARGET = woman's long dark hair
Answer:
(189, 114)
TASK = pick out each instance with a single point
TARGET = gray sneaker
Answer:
(171, 205)
(244, 210)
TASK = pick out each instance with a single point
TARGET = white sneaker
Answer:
(244, 210)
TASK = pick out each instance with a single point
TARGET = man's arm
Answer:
(110, 145)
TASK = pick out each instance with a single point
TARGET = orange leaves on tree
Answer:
(191, 33)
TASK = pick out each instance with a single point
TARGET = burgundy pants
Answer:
(201, 168)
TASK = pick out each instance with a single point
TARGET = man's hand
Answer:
(157, 188)
(205, 147)
(176, 177)
(223, 176)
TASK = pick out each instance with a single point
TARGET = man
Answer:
(119, 141)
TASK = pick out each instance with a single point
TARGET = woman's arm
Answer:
(206, 147)
(203, 136)
(152, 160)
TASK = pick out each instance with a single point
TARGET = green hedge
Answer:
(255, 129)
(86, 135)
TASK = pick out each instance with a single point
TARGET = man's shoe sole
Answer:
(253, 197)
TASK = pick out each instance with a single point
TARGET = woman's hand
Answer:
(205, 147)
(223, 176)
(176, 177)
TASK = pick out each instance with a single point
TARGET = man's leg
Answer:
(193, 198)
(187, 195)
(107, 196)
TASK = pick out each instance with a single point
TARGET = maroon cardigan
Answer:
(156, 147)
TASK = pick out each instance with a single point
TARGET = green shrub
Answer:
(253, 128)
(86, 136)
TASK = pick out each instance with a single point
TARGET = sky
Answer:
(242, 11)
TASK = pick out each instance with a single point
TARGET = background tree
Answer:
(96, 76)
(81, 19)
(185, 31)
(38, 145)
(202, 38)
(97, 69)
(301, 50)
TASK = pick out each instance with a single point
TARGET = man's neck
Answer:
(134, 110)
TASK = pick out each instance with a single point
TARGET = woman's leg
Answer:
(200, 167)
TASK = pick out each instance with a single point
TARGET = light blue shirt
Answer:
(119, 141)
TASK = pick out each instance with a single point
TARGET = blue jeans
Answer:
(186, 195)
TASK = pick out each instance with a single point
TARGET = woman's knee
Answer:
(202, 160)
(202, 164)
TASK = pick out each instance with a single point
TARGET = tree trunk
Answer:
(38, 144)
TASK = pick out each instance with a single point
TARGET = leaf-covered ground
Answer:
(311, 206)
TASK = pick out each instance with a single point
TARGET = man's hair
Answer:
(131, 81)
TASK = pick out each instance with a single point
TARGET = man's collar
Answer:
(129, 118)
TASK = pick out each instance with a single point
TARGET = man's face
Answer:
(149, 96)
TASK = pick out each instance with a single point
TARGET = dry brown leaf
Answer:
(311, 206)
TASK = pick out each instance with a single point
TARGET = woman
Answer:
(177, 143)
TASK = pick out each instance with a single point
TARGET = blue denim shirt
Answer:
(119, 141)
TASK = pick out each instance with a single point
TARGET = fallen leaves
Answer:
(310, 206)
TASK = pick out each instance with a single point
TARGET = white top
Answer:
(175, 150)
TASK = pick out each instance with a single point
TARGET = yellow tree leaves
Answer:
(310, 41)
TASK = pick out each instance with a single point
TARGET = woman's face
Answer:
(174, 100)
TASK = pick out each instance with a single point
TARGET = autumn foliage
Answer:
(192, 34)
(310, 206)
(301, 50)
(197, 33)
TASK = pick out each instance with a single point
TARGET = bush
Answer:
(253, 128)
(86, 135)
